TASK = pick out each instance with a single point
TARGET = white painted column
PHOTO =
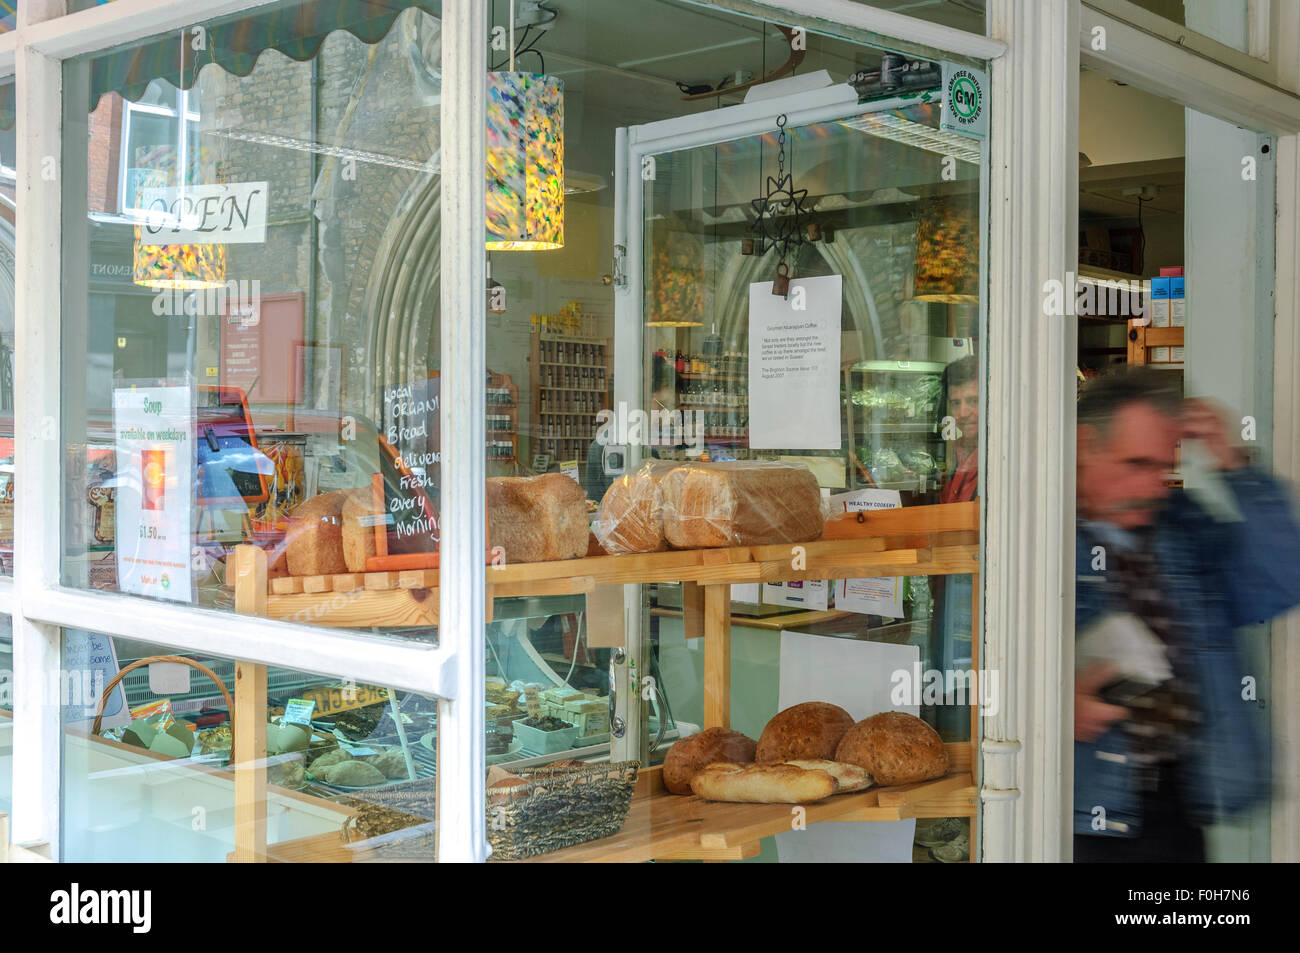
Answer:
(37, 310)
(1027, 751)
(461, 783)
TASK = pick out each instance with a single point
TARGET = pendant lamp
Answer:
(525, 162)
(947, 253)
(188, 267)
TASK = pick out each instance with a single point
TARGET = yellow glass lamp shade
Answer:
(679, 282)
(525, 162)
(188, 267)
(947, 254)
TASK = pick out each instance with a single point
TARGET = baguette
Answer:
(762, 784)
(850, 777)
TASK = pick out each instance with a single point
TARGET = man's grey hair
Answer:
(1103, 397)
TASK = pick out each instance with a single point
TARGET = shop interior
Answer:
(1177, 207)
(879, 198)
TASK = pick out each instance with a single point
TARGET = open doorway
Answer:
(1176, 274)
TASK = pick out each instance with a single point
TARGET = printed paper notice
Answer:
(153, 428)
(883, 595)
(794, 365)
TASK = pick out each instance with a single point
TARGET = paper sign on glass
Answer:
(153, 429)
(794, 365)
(222, 214)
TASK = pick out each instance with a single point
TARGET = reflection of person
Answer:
(1153, 770)
(962, 384)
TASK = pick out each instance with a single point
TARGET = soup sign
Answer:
(224, 214)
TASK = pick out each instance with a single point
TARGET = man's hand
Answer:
(1205, 422)
(1092, 716)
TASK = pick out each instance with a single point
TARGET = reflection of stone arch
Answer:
(402, 295)
(739, 271)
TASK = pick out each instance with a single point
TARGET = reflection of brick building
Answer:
(352, 219)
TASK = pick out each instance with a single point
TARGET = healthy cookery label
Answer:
(411, 430)
(154, 428)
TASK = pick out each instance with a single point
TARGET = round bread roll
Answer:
(810, 730)
(688, 755)
(895, 748)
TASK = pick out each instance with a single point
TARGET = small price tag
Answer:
(298, 712)
(532, 702)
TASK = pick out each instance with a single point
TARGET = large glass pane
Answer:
(892, 219)
(1176, 443)
(348, 770)
(1228, 21)
(252, 327)
(7, 689)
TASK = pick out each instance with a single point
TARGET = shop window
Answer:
(7, 689)
(254, 339)
(878, 230)
(347, 774)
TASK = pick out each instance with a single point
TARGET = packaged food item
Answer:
(632, 511)
(808, 730)
(537, 519)
(894, 748)
(741, 503)
(689, 755)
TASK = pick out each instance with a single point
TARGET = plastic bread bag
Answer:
(631, 512)
(741, 503)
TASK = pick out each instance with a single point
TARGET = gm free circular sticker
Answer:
(964, 97)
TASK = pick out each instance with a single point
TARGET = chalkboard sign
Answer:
(406, 486)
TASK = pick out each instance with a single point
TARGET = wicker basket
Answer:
(559, 808)
(555, 808)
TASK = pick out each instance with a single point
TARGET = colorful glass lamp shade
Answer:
(525, 162)
(188, 267)
(947, 254)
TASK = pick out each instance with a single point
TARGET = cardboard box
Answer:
(1160, 355)
(1158, 306)
(1177, 302)
(811, 594)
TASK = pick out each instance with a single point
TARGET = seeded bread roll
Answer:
(741, 503)
(688, 755)
(315, 536)
(762, 784)
(895, 748)
(537, 519)
(810, 730)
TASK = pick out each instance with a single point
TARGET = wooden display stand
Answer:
(914, 541)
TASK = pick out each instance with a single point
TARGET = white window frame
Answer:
(1027, 751)
(182, 116)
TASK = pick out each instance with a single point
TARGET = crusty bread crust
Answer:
(809, 730)
(314, 541)
(688, 755)
(537, 519)
(895, 748)
(762, 784)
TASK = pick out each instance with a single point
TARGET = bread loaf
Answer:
(688, 755)
(632, 512)
(537, 519)
(762, 784)
(359, 515)
(809, 730)
(314, 542)
(740, 503)
(848, 777)
(894, 748)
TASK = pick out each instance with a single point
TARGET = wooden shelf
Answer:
(663, 826)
